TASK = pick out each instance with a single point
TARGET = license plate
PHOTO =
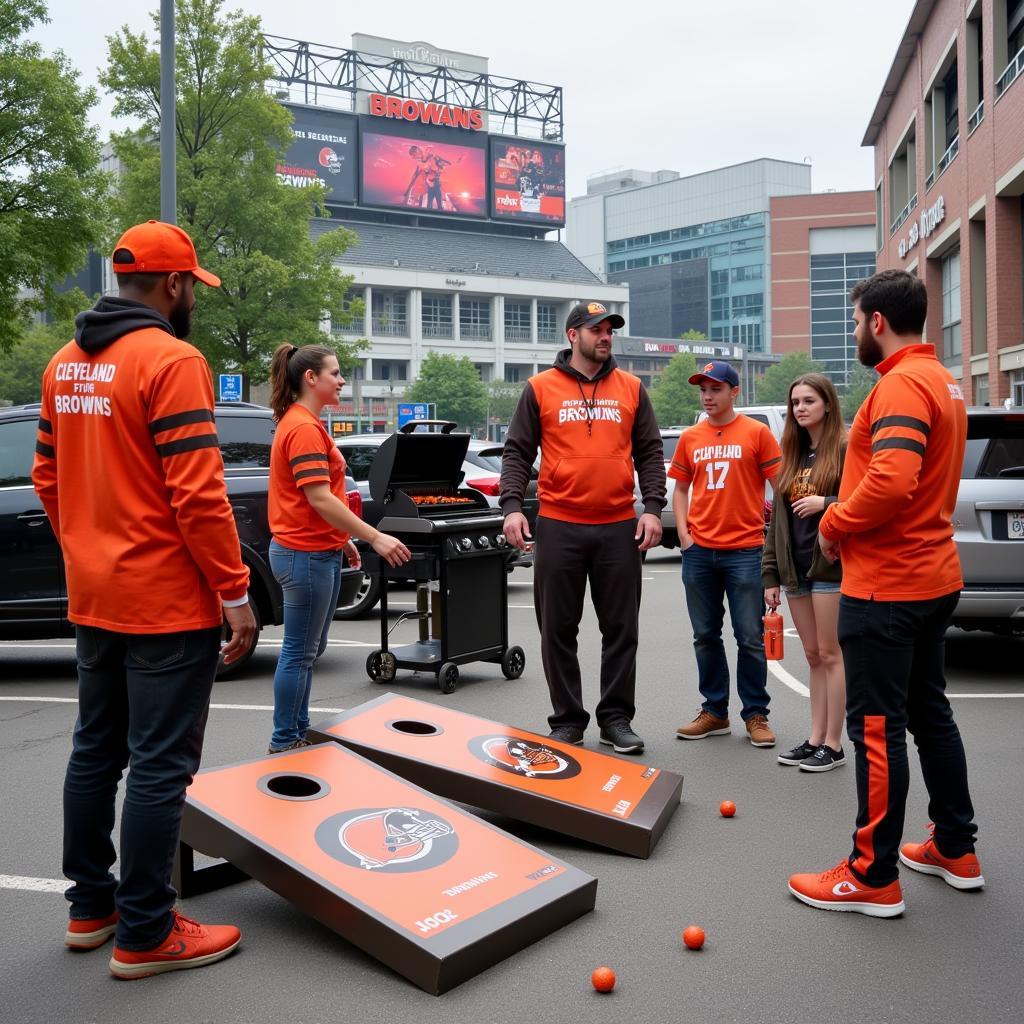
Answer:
(1015, 525)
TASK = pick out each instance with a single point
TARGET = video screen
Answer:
(418, 174)
(324, 150)
(528, 181)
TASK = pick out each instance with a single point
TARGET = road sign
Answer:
(230, 387)
(422, 885)
(617, 803)
(412, 411)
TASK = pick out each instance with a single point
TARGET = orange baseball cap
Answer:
(159, 248)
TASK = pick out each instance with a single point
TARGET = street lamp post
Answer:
(168, 132)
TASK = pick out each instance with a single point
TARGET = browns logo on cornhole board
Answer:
(428, 889)
(615, 802)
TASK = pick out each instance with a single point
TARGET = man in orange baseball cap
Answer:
(129, 470)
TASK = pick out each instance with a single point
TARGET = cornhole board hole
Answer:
(428, 889)
(620, 804)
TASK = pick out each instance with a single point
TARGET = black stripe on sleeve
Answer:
(901, 421)
(181, 419)
(312, 457)
(771, 462)
(904, 443)
(187, 444)
(45, 449)
(45, 426)
(322, 474)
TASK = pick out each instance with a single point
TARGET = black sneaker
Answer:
(567, 734)
(824, 759)
(621, 738)
(799, 753)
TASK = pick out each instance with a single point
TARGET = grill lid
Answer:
(418, 462)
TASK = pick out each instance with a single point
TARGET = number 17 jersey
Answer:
(728, 467)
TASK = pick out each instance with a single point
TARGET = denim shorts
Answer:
(805, 587)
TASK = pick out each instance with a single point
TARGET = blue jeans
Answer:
(143, 698)
(310, 581)
(709, 577)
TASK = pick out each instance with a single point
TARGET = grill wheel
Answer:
(448, 677)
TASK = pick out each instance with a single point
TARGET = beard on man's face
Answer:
(181, 318)
(869, 352)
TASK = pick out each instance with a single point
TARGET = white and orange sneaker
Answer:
(189, 944)
(960, 872)
(839, 889)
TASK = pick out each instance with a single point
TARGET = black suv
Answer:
(33, 595)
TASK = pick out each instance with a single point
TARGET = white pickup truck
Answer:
(773, 416)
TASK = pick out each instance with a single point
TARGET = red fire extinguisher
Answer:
(773, 628)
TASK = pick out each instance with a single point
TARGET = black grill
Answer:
(459, 559)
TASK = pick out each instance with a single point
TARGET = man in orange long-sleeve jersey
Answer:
(129, 471)
(892, 526)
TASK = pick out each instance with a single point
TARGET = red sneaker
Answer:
(189, 944)
(960, 872)
(91, 932)
(839, 889)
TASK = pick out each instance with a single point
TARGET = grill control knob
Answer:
(484, 542)
(466, 544)
(500, 541)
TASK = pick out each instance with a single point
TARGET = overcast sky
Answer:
(688, 85)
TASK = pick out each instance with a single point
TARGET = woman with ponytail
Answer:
(813, 447)
(311, 524)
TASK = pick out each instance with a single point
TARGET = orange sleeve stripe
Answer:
(180, 419)
(902, 443)
(45, 426)
(771, 462)
(309, 474)
(901, 421)
(187, 444)
(311, 457)
(46, 450)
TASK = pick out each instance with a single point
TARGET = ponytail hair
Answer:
(287, 368)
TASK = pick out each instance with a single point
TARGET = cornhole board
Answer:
(428, 889)
(617, 803)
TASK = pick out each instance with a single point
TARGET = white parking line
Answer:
(25, 883)
(213, 707)
(791, 681)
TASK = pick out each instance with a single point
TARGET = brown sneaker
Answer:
(705, 724)
(758, 731)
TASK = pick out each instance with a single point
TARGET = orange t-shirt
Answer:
(303, 454)
(894, 516)
(727, 467)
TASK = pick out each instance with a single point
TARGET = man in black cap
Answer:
(593, 423)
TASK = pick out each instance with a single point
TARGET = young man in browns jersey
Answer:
(901, 583)
(725, 460)
(593, 424)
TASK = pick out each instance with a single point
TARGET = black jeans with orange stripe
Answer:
(893, 652)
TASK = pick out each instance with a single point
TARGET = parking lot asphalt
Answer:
(768, 958)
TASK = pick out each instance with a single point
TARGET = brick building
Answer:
(948, 135)
(821, 245)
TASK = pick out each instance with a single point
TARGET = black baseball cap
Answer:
(587, 314)
(719, 371)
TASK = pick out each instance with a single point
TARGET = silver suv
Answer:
(989, 523)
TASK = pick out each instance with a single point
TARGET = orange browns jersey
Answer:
(304, 454)
(893, 519)
(130, 473)
(727, 467)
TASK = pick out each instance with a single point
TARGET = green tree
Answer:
(21, 367)
(51, 189)
(674, 398)
(502, 398)
(692, 335)
(454, 385)
(249, 228)
(858, 386)
(773, 387)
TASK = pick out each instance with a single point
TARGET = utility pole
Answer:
(168, 132)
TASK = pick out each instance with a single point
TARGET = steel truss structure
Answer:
(527, 109)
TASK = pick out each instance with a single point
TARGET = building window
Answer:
(980, 386)
(547, 322)
(1017, 387)
(879, 221)
(486, 371)
(832, 277)
(517, 321)
(951, 340)
(517, 373)
(389, 316)
(437, 317)
(475, 319)
(1014, 51)
(975, 71)
(391, 369)
(354, 307)
(903, 180)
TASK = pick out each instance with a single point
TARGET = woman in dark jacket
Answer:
(813, 447)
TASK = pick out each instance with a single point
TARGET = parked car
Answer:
(481, 470)
(33, 591)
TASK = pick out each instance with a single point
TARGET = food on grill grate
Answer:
(440, 499)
